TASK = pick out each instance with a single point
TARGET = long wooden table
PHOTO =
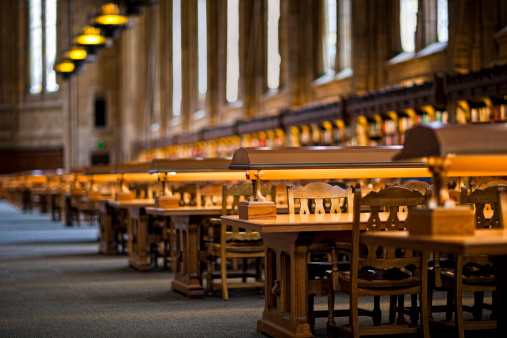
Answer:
(186, 222)
(114, 217)
(287, 242)
(484, 242)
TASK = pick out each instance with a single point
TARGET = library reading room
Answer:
(253, 168)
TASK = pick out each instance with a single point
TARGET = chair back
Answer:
(210, 195)
(481, 199)
(318, 192)
(187, 193)
(377, 257)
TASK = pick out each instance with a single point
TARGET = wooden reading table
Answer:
(185, 222)
(489, 242)
(287, 240)
(114, 218)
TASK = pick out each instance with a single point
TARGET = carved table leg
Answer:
(138, 239)
(187, 279)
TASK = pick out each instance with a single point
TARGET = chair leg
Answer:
(424, 314)
(450, 305)
(377, 314)
(209, 278)
(401, 305)
(430, 302)
(393, 300)
(458, 297)
(244, 268)
(311, 311)
(354, 316)
(478, 304)
(223, 269)
(414, 311)
(493, 303)
(330, 305)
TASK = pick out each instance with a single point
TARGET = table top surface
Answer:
(131, 203)
(213, 211)
(303, 223)
(491, 242)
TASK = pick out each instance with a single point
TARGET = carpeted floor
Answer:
(53, 283)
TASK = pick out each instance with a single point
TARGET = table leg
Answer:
(286, 303)
(187, 279)
(500, 265)
(138, 239)
(106, 229)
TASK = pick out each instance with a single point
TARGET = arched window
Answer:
(35, 46)
(442, 21)
(202, 51)
(408, 24)
(202, 59)
(50, 48)
(329, 44)
(345, 34)
(232, 76)
(177, 76)
(273, 58)
(42, 51)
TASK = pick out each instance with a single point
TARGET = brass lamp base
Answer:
(167, 202)
(457, 221)
(123, 196)
(93, 194)
(257, 210)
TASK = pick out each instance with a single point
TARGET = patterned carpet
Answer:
(54, 283)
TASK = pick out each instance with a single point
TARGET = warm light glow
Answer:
(341, 173)
(139, 177)
(76, 53)
(65, 66)
(208, 176)
(90, 36)
(109, 20)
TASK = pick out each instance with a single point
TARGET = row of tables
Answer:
(286, 313)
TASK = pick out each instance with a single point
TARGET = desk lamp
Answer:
(453, 150)
(131, 172)
(286, 163)
(197, 169)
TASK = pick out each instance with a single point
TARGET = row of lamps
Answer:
(106, 25)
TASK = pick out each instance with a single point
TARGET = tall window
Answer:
(330, 37)
(274, 59)
(202, 51)
(177, 77)
(345, 34)
(50, 49)
(408, 23)
(42, 51)
(232, 76)
(442, 21)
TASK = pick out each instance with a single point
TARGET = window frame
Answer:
(43, 92)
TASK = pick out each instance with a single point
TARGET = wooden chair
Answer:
(320, 198)
(473, 273)
(377, 271)
(233, 243)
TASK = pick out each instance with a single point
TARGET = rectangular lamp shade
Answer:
(471, 149)
(134, 171)
(326, 163)
(100, 173)
(196, 169)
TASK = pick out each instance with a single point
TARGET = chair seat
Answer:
(448, 275)
(344, 279)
